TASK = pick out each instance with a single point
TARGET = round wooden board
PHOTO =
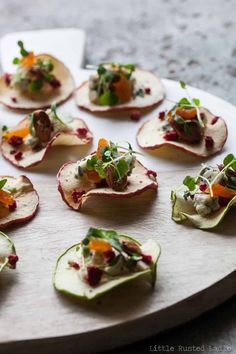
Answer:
(196, 270)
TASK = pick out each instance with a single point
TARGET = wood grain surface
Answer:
(196, 271)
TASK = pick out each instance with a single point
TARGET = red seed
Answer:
(202, 186)
(109, 255)
(7, 78)
(209, 142)
(18, 155)
(162, 115)
(55, 83)
(12, 152)
(13, 259)
(74, 265)
(77, 195)
(214, 120)
(171, 136)
(147, 90)
(146, 258)
(94, 275)
(14, 99)
(13, 206)
(151, 173)
(135, 115)
(82, 131)
(15, 140)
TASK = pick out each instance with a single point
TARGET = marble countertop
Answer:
(187, 39)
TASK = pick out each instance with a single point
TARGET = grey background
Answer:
(189, 39)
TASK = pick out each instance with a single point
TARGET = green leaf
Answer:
(196, 101)
(184, 102)
(31, 121)
(101, 70)
(4, 128)
(179, 120)
(233, 166)
(190, 183)
(182, 84)
(229, 158)
(23, 52)
(122, 167)
(35, 85)
(2, 183)
(109, 235)
(91, 162)
(16, 61)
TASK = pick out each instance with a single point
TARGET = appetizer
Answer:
(18, 200)
(27, 144)
(109, 172)
(119, 87)
(204, 200)
(103, 260)
(8, 257)
(186, 126)
(39, 81)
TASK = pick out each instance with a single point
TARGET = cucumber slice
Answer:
(7, 249)
(67, 280)
(183, 210)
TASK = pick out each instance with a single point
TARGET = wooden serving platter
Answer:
(196, 272)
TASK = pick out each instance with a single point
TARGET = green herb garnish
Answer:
(2, 183)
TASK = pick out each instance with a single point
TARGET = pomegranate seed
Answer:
(214, 120)
(109, 255)
(55, 83)
(82, 132)
(7, 78)
(151, 173)
(202, 115)
(74, 265)
(94, 275)
(18, 155)
(146, 258)
(135, 115)
(147, 90)
(13, 259)
(202, 186)
(15, 140)
(162, 115)
(209, 142)
(13, 206)
(14, 99)
(77, 195)
(171, 136)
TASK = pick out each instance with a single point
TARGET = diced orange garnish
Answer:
(123, 88)
(21, 133)
(221, 191)
(28, 60)
(186, 113)
(6, 198)
(102, 143)
(99, 246)
(93, 176)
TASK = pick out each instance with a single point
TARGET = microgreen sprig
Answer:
(2, 183)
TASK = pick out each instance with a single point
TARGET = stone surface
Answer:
(187, 39)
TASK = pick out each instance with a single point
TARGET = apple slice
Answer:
(26, 199)
(15, 99)
(144, 79)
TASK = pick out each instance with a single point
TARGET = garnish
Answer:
(108, 159)
(113, 84)
(2, 183)
(53, 114)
